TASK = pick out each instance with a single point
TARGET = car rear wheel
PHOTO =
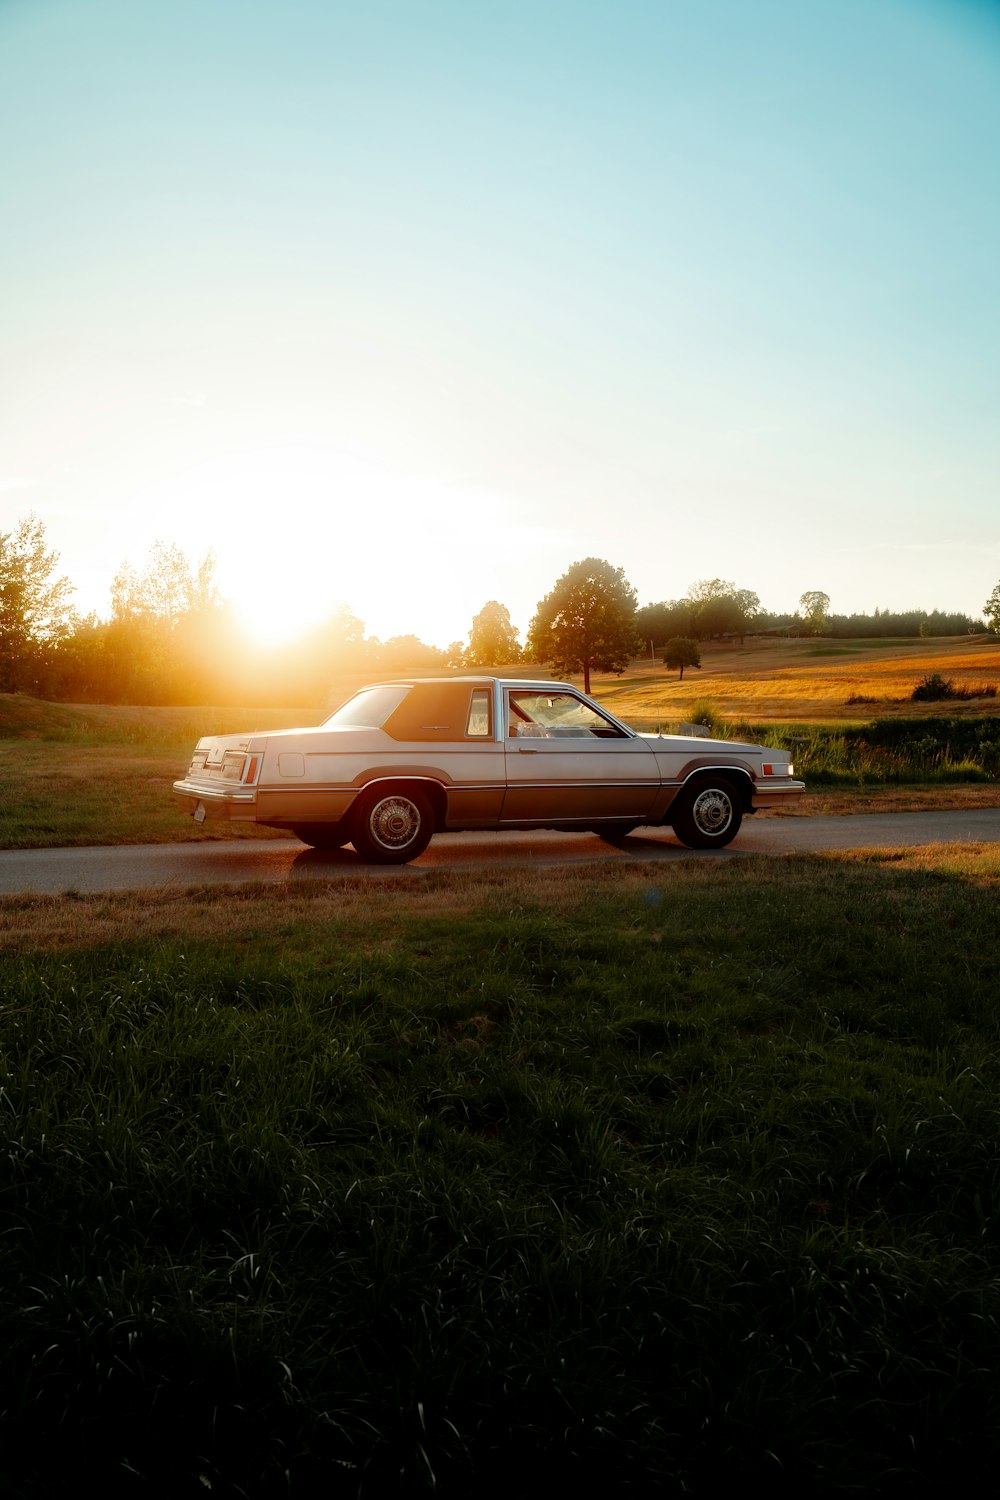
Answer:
(392, 828)
(323, 835)
(707, 814)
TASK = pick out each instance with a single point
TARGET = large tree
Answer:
(35, 613)
(586, 622)
(991, 609)
(815, 607)
(492, 639)
(720, 608)
(659, 623)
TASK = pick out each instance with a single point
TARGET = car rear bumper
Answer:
(220, 804)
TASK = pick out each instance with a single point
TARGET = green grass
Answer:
(484, 1184)
(77, 775)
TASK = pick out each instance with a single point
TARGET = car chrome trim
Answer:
(583, 781)
(213, 793)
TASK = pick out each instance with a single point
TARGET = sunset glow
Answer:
(411, 310)
(300, 529)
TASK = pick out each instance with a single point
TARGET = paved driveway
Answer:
(133, 867)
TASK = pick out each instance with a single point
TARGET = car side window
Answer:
(556, 715)
(478, 726)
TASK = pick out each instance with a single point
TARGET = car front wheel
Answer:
(391, 828)
(708, 814)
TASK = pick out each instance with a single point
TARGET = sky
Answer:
(411, 304)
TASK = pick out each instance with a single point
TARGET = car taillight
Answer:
(250, 769)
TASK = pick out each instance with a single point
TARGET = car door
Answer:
(566, 762)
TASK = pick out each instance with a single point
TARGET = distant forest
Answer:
(887, 622)
(172, 639)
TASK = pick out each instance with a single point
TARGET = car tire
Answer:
(707, 814)
(392, 827)
(323, 835)
(612, 832)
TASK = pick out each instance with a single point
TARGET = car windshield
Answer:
(368, 709)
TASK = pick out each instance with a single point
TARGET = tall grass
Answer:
(653, 1177)
(895, 751)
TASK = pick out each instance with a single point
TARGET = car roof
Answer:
(437, 708)
(482, 681)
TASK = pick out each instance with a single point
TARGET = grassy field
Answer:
(87, 774)
(483, 1185)
(82, 774)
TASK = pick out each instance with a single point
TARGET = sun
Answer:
(300, 529)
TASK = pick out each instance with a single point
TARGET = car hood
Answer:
(697, 744)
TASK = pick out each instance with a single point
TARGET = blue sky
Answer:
(413, 303)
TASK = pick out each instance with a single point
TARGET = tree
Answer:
(339, 642)
(720, 616)
(167, 589)
(163, 624)
(35, 613)
(720, 608)
(492, 639)
(749, 604)
(310, 667)
(681, 652)
(710, 588)
(586, 622)
(405, 651)
(658, 623)
(991, 609)
(815, 608)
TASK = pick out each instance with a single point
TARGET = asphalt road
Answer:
(135, 867)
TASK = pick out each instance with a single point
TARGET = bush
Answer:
(934, 688)
(702, 711)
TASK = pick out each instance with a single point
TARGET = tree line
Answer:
(170, 637)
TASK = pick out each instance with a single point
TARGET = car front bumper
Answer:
(782, 795)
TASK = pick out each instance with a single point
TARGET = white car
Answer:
(400, 761)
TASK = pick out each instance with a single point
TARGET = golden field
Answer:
(807, 681)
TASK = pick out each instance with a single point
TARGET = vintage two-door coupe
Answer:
(400, 761)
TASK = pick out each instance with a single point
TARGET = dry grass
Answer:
(252, 912)
(975, 864)
(243, 918)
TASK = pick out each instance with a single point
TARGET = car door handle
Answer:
(528, 749)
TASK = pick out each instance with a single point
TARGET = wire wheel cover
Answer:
(712, 811)
(394, 822)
